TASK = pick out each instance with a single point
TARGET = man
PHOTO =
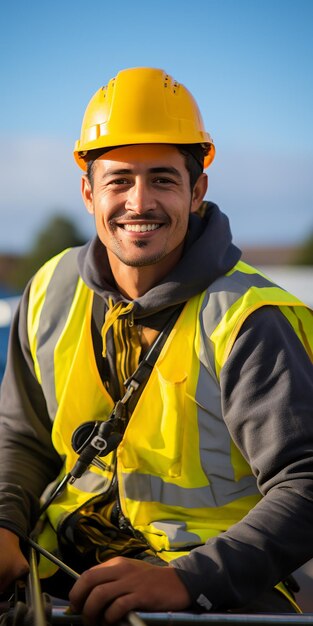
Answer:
(210, 469)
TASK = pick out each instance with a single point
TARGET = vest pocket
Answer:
(173, 394)
(154, 437)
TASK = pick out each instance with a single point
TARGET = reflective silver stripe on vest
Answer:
(147, 488)
(215, 440)
(55, 311)
(225, 291)
(90, 482)
(178, 534)
(220, 296)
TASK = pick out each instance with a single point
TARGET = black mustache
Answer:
(143, 217)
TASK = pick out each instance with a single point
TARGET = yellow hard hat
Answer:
(141, 105)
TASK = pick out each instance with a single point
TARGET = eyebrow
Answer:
(153, 170)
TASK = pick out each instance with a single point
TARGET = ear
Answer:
(86, 191)
(199, 192)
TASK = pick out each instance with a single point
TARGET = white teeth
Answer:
(140, 228)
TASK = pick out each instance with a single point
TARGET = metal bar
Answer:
(51, 557)
(33, 592)
(194, 619)
(189, 619)
(134, 619)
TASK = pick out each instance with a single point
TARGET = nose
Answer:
(140, 197)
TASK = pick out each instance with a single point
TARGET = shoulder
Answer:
(54, 286)
(63, 266)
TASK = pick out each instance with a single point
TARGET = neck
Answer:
(133, 282)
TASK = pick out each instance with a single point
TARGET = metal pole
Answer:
(217, 619)
(33, 592)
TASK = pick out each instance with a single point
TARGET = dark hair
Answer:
(192, 153)
(194, 158)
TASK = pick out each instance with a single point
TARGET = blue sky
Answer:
(248, 63)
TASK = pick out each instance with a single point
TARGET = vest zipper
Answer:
(125, 525)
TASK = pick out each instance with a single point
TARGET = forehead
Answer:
(145, 156)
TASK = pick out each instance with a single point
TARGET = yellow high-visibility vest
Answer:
(181, 478)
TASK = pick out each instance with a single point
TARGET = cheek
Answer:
(101, 214)
(182, 219)
(100, 223)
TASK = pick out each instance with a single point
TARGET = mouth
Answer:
(137, 227)
(140, 228)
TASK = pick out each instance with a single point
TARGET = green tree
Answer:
(304, 255)
(58, 234)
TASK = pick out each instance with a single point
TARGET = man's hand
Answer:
(112, 589)
(12, 562)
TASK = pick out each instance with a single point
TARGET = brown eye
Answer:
(119, 181)
(163, 181)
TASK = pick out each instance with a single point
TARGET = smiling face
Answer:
(141, 200)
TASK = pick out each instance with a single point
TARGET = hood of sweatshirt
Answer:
(208, 254)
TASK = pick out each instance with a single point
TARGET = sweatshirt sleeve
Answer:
(267, 402)
(28, 461)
